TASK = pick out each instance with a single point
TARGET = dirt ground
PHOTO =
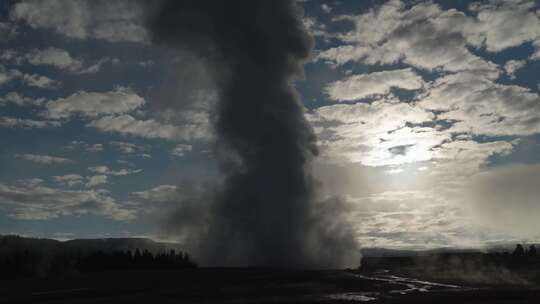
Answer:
(227, 285)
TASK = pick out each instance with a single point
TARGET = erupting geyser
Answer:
(265, 212)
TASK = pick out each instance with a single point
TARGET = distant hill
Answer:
(10, 242)
(121, 244)
(13, 242)
(384, 252)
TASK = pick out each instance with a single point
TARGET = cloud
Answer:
(37, 202)
(428, 37)
(146, 63)
(377, 83)
(477, 105)
(536, 54)
(506, 199)
(117, 21)
(394, 171)
(69, 179)
(505, 24)
(128, 125)
(106, 171)
(181, 149)
(92, 148)
(366, 132)
(462, 158)
(55, 57)
(314, 27)
(512, 66)
(409, 219)
(326, 8)
(441, 146)
(92, 104)
(20, 100)
(45, 159)
(58, 58)
(6, 75)
(95, 180)
(31, 182)
(8, 31)
(12, 122)
(159, 194)
(423, 35)
(38, 81)
(128, 148)
(32, 80)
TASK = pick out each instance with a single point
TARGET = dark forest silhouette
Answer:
(22, 260)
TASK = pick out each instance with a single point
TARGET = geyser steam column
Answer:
(264, 214)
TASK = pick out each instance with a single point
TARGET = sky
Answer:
(427, 116)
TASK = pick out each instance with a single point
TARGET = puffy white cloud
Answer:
(58, 58)
(32, 80)
(107, 171)
(113, 21)
(367, 132)
(404, 146)
(45, 159)
(314, 27)
(6, 75)
(20, 100)
(128, 125)
(37, 202)
(38, 81)
(461, 158)
(477, 105)
(69, 179)
(92, 148)
(428, 37)
(536, 54)
(394, 171)
(159, 194)
(505, 24)
(377, 83)
(96, 180)
(7, 31)
(129, 148)
(326, 8)
(512, 66)
(92, 104)
(31, 182)
(181, 149)
(441, 146)
(12, 122)
(423, 35)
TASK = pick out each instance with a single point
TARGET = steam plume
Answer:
(264, 213)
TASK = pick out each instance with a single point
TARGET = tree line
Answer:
(24, 261)
(521, 251)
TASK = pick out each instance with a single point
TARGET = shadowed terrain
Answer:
(160, 275)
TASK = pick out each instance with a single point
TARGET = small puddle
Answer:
(409, 285)
(354, 296)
